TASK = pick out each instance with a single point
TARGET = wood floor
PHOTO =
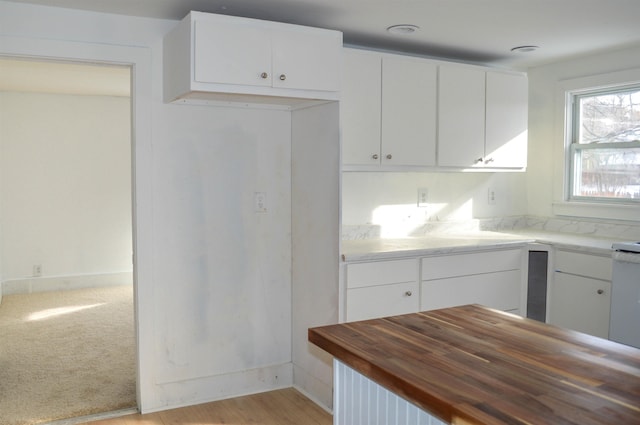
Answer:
(281, 407)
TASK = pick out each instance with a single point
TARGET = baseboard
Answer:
(318, 391)
(65, 283)
(92, 418)
(314, 399)
(172, 395)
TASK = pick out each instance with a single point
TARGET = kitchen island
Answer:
(474, 365)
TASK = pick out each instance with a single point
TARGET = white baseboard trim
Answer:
(94, 417)
(173, 395)
(65, 283)
(318, 391)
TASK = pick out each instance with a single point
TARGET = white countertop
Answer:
(439, 244)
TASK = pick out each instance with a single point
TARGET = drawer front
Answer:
(382, 301)
(593, 266)
(468, 264)
(381, 273)
(496, 290)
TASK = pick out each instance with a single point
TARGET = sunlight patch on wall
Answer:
(400, 221)
(463, 212)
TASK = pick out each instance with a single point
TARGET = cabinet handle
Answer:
(408, 293)
(477, 161)
(600, 291)
(264, 75)
(389, 156)
(488, 161)
(374, 156)
(283, 77)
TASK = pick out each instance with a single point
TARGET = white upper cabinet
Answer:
(406, 113)
(409, 93)
(388, 108)
(360, 107)
(217, 57)
(307, 59)
(246, 60)
(507, 120)
(482, 118)
(461, 111)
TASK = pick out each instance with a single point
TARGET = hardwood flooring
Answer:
(281, 407)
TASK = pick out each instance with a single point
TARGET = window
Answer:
(604, 144)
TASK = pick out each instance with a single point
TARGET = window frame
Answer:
(564, 204)
(573, 145)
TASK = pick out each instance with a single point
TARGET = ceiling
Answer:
(477, 31)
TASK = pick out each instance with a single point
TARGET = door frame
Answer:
(139, 61)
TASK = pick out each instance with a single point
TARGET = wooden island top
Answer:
(474, 365)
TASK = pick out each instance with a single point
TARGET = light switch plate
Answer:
(260, 202)
(423, 197)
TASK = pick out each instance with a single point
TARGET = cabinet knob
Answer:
(488, 161)
(389, 156)
(477, 161)
(408, 293)
(264, 75)
(374, 156)
(283, 77)
(600, 291)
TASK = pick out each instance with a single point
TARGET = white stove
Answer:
(624, 326)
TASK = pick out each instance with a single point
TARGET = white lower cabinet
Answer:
(381, 288)
(393, 287)
(382, 301)
(491, 278)
(580, 296)
(499, 290)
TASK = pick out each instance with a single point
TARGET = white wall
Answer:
(544, 174)
(316, 243)
(390, 199)
(222, 273)
(66, 185)
(213, 291)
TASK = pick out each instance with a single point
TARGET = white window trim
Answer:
(578, 208)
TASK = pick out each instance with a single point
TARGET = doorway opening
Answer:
(66, 228)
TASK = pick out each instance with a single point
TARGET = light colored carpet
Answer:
(66, 354)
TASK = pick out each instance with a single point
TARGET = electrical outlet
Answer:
(423, 197)
(37, 270)
(491, 197)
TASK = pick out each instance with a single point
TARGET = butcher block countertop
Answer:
(474, 365)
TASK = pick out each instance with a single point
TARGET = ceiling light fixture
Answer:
(525, 49)
(403, 29)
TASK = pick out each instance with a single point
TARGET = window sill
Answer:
(597, 210)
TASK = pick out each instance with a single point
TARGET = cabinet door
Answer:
(461, 116)
(506, 122)
(580, 303)
(499, 290)
(360, 107)
(409, 93)
(381, 301)
(231, 54)
(306, 59)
